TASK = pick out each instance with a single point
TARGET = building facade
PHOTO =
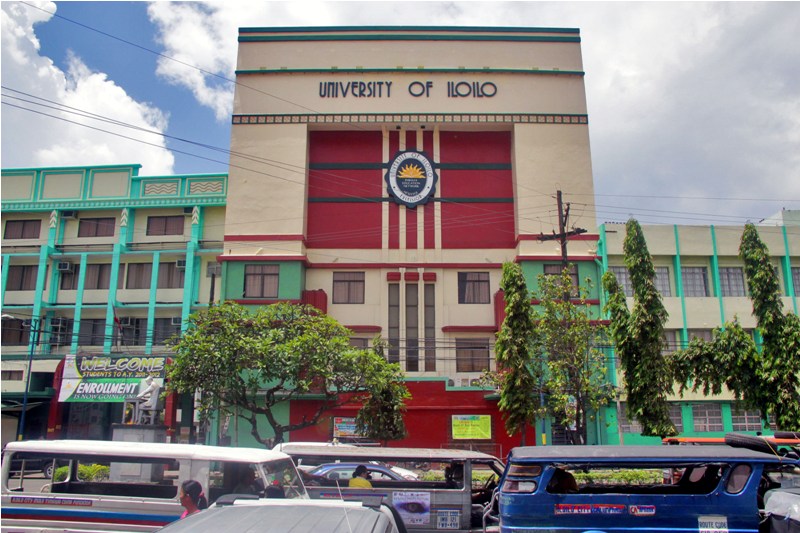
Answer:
(383, 175)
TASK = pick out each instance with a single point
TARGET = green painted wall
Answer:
(291, 279)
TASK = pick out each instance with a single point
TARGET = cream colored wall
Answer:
(17, 186)
(214, 223)
(370, 313)
(44, 217)
(71, 228)
(140, 226)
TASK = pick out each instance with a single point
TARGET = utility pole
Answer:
(563, 235)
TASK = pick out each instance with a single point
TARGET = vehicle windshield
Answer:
(281, 480)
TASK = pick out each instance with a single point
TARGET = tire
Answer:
(48, 470)
(751, 442)
(787, 434)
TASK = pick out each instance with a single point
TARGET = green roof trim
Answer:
(384, 37)
(318, 29)
(411, 70)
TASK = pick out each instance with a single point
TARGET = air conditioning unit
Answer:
(58, 323)
(69, 215)
(464, 382)
(176, 321)
(65, 266)
(181, 264)
(125, 321)
(187, 211)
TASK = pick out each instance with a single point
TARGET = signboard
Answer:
(414, 507)
(472, 426)
(101, 378)
(411, 179)
(344, 426)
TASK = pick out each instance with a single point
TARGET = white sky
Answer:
(690, 104)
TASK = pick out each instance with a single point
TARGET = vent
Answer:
(176, 321)
(72, 215)
(65, 266)
(180, 264)
(187, 211)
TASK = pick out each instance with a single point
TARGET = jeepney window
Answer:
(281, 480)
(738, 479)
(635, 479)
(140, 477)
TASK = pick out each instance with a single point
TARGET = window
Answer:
(430, 327)
(163, 330)
(473, 287)
(261, 281)
(136, 333)
(412, 327)
(172, 225)
(15, 332)
(556, 270)
(731, 280)
(707, 417)
(695, 281)
(92, 332)
(61, 331)
(11, 375)
(626, 424)
(671, 341)
(22, 277)
(796, 280)
(356, 342)
(22, 229)
(676, 416)
(662, 281)
(746, 420)
(170, 276)
(96, 227)
(394, 323)
(624, 280)
(69, 280)
(348, 287)
(704, 334)
(98, 276)
(472, 355)
(139, 275)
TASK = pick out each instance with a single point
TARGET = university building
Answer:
(383, 175)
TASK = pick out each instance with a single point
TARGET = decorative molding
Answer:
(123, 219)
(454, 118)
(266, 237)
(53, 219)
(469, 329)
(555, 258)
(580, 237)
(195, 215)
(132, 203)
(206, 187)
(160, 188)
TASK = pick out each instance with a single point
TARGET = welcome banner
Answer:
(101, 378)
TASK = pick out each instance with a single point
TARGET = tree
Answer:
(246, 363)
(381, 417)
(575, 379)
(518, 375)
(638, 337)
(767, 380)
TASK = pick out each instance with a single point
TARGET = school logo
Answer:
(411, 179)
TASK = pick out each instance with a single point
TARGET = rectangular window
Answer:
(662, 281)
(170, 276)
(11, 375)
(430, 327)
(671, 342)
(348, 287)
(98, 276)
(69, 280)
(394, 323)
(695, 281)
(796, 280)
(92, 332)
(624, 280)
(139, 275)
(22, 229)
(356, 342)
(22, 277)
(731, 280)
(556, 270)
(96, 227)
(61, 331)
(412, 327)
(676, 416)
(707, 417)
(704, 334)
(627, 425)
(136, 333)
(472, 355)
(169, 225)
(15, 332)
(746, 420)
(163, 330)
(473, 288)
(261, 281)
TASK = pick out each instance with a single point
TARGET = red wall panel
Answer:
(475, 147)
(344, 225)
(345, 183)
(345, 146)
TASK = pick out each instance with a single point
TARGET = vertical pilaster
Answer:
(190, 281)
(126, 226)
(715, 276)
(151, 304)
(679, 286)
(791, 290)
(76, 325)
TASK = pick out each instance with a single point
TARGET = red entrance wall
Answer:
(428, 419)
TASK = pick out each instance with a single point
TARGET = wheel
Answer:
(48, 470)
(750, 442)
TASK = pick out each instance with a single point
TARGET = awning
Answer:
(14, 407)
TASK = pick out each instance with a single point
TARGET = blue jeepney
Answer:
(614, 489)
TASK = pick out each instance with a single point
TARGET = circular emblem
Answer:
(411, 180)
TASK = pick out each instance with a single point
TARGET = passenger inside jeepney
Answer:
(562, 482)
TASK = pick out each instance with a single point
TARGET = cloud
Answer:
(30, 139)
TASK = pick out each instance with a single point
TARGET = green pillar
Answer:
(151, 304)
(715, 276)
(679, 287)
(76, 325)
(791, 290)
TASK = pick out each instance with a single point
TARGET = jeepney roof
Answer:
(56, 448)
(597, 454)
(369, 453)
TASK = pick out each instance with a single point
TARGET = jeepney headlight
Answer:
(511, 485)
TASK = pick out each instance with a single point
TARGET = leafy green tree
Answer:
(246, 363)
(575, 380)
(381, 417)
(767, 380)
(519, 374)
(638, 337)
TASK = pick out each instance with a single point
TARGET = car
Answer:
(344, 471)
(34, 465)
(251, 515)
